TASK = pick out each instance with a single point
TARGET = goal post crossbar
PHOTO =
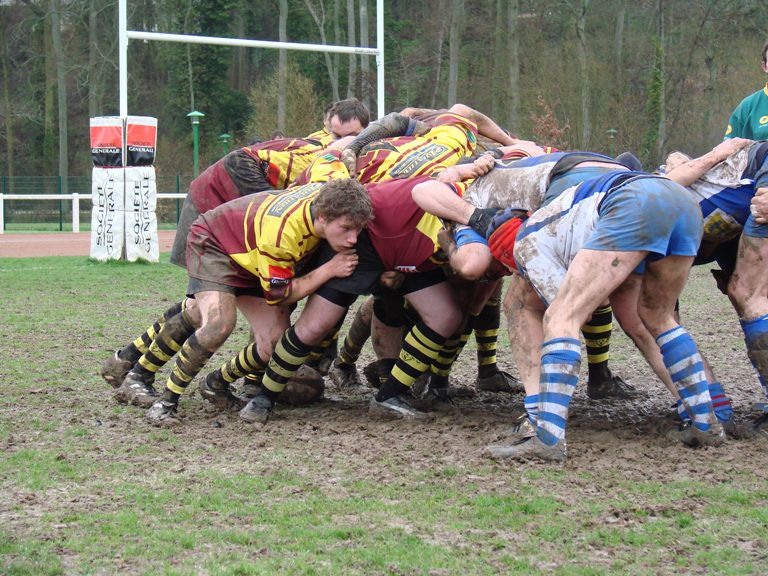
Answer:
(124, 35)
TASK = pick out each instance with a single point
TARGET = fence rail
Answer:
(30, 202)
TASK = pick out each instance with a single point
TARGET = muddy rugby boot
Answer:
(691, 436)
(499, 382)
(137, 390)
(218, 392)
(344, 376)
(610, 387)
(258, 410)
(396, 406)
(528, 449)
(115, 369)
(163, 412)
(249, 389)
(523, 429)
(760, 424)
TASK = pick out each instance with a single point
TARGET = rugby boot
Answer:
(163, 412)
(607, 385)
(218, 392)
(396, 406)
(258, 410)
(523, 429)
(137, 390)
(528, 449)
(691, 436)
(499, 382)
(344, 375)
(250, 388)
(115, 369)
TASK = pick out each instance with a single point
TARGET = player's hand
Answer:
(343, 263)
(349, 159)
(728, 147)
(759, 206)
(483, 164)
(392, 279)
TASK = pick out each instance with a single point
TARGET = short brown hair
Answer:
(349, 109)
(764, 52)
(344, 197)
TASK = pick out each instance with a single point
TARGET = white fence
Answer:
(74, 198)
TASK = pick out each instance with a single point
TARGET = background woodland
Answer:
(662, 74)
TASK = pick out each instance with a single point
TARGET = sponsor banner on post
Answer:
(140, 140)
(107, 216)
(107, 141)
(141, 240)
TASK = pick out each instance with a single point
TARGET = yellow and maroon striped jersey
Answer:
(323, 136)
(450, 138)
(284, 158)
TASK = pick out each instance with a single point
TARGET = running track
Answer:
(18, 245)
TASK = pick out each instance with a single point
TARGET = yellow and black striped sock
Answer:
(290, 353)
(325, 344)
(597, 335)
(135, 349)
(166, 344)
(441, 367)
(246, 363)
(486, 327)
(358, 335)
(192, 358)
(421, 347)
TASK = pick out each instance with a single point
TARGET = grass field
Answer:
(87, 487)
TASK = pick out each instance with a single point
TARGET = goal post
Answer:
(124, 35)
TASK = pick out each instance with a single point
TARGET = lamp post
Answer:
(612, 135)
(225, 142)
(194, 117)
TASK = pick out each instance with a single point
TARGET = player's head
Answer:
(348, 118)
(340, 211)
(503, 233)
(764, 55)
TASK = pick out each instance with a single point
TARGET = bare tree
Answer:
(317, 11)
(454, 50)
(365, 84)
(351, 41)
(282, 66)
(61, 92)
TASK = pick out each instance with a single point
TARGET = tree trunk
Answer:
(662, 92)
(618, 47)
(454, 51)
(49, 110)
(438, 54)
(351, 41)
(513, 72)
(336, 36)
(581, 36)
(94, 61)
(62, 93)
(319, 18)
(282, 77)
(10, 142)
(365, 84)
(190, 74)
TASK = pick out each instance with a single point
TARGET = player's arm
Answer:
(759, 206)
(440, 199)
(485, 126)
(460, 172)
(688, 172)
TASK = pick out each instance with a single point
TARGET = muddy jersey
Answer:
(451, 138)
(323, 136)
(523, 183)
(404, 236)
(618, 211)
(724, 193)
(266, 235)
(284, 159)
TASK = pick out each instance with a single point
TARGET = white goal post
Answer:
(124, 35)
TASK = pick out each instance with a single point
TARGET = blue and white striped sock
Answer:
(682, 412)
(682, 359)
(755, 338)
(531, 403)
(560, 363)
(721, 404)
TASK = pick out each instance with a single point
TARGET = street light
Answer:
(225, 142)
(194, 117)
(612, 135)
